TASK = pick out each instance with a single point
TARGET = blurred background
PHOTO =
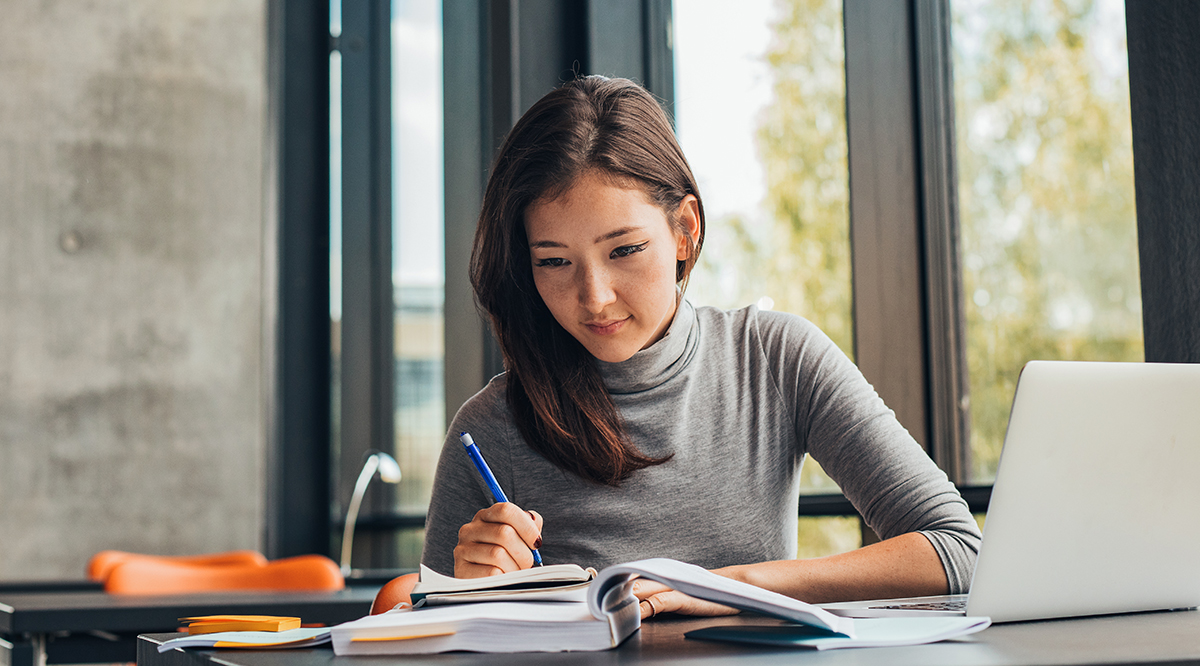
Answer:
(233, 236)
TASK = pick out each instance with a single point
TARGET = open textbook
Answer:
(609, 615)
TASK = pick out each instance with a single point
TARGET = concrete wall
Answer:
(132, 382)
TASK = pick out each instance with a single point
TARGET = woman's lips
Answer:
(608, 327)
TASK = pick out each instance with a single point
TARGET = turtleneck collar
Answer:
(660, 361)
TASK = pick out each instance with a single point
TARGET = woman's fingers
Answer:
(673, 601)
(537, 520)
(476, 560)
(644, 587)
(526, 524)
(499, 539)
(656, 599)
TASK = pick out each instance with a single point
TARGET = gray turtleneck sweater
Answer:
(739, 397)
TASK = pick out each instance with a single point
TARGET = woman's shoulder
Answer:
(751, 322)
(784, 340)
(490, 403)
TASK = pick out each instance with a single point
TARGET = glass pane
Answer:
(335, 245)
(418, 266)
(1045, 158)
(821, 536)
(769, 151)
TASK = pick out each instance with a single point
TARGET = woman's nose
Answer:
(595, 290)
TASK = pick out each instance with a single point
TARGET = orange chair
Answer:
(102, 563)
(155, 576)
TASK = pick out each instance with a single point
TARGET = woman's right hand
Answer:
(501, 538)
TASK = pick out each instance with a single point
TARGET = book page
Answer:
(403, 623)
(576, 592)
(432, 581)
(703, 584)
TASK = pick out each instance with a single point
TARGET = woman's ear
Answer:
(689, 218)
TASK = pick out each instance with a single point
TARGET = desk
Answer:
(93, 626)
(1144, 638)
(23, 586)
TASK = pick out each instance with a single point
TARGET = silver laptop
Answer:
(1096, 505)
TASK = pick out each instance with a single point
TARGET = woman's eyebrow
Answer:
(608, 236)
(619, 232)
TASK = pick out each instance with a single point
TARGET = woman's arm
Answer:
(906, 565)
(460, 498)
(930, 538)
(842, 423)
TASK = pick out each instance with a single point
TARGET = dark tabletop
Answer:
(45, 612)
(56, 585)
(1145, 638)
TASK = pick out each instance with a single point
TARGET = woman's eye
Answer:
(551, 262)
(627, 250)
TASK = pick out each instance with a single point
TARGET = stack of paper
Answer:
(498, 625)
(534, 626)
(292, 638)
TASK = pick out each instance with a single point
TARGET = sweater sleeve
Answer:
(844, 425)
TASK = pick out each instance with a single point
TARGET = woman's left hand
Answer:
(657, 599)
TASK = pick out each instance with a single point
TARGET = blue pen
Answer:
(486, 473)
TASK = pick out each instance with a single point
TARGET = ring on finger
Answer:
(653, 609)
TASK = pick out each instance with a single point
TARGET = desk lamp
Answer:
(389, 471)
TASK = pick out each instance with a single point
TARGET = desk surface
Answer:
(55, 585)
(1145, 638)
(98, 611)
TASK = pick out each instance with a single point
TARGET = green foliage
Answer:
(822, 536)
(799, 255)
(1046, 203)
(1045, 195)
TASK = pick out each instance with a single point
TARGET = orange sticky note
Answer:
(209, 624)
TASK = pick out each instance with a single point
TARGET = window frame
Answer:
(501, 55)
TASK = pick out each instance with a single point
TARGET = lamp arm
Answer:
(360, 488)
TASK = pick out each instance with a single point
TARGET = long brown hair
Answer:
(592, 124)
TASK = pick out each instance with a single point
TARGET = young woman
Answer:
(629, 423)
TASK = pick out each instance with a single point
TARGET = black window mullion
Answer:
(659, 43)
(466, 152)
(298, 344)
(1164, 87)
(909, 328)
(945, 321)
(367, 357)
(885, 215)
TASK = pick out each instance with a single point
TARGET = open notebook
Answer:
(557, 582)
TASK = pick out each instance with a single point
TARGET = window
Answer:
(1046, 200)
(996, 227)
(395, 227)
(769, 153)
(417, 256)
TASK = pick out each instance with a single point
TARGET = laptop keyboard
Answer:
(952, 605)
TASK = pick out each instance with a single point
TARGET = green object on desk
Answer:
(881, 632)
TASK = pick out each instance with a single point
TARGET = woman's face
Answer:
(604, 263)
